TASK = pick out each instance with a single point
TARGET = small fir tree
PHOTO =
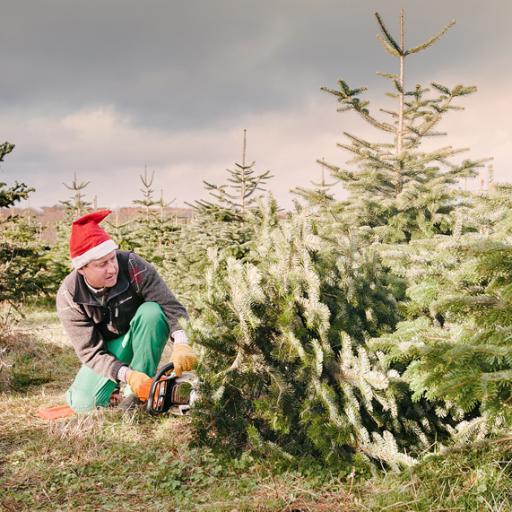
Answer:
(284, 362)
(76, 206)
(321, 197)
(11, 195)
(155, 232)
(238, 195)
(227, 224)
(58, 259)
(22, 268)
(122, 231)
(147, 201)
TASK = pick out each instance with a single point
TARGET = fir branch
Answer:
(441, 88)
(360, 142)
(329, 166)
(377, 124)
(430, 41)
(391, 113)
(505, 375)
(461, 90)
(5, 149)
(389, 48)
(389, 38)
(345, 175)
(391, 76)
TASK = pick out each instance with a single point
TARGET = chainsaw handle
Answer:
(159, 374)
(162, 371)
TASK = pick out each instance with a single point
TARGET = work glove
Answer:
(140, 384)
(183, 358)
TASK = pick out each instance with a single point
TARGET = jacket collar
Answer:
(84, 295)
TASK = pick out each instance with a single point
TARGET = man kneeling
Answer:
(118, 314)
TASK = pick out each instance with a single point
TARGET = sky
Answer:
(107, 88)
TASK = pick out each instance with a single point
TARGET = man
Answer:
(118, 314)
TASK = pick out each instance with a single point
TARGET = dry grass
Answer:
(109, 461)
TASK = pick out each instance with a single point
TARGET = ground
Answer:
(110, 461)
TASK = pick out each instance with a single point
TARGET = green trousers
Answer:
(140, 348)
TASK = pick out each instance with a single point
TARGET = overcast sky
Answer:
(104, 88)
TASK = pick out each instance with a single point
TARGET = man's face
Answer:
(101, 273)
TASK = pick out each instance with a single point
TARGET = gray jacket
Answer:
(89, 323)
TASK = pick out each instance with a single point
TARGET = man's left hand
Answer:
(183, 358)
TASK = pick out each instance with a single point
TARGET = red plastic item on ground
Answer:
(56, 412)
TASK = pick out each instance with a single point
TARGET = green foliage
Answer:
(228, 224)
(21, 251)
(284, 360)
(58, 259)
(456, 345)
(321, 197)
(22, 266)
(154, 238)
(186, 261)
(152, 235)
(11, 195)
(76, 206)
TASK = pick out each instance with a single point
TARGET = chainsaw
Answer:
(166, 392)
(170, 393)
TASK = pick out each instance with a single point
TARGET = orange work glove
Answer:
(140, 384)
(183, 358)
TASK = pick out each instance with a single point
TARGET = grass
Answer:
(475, 478)
(110, 461)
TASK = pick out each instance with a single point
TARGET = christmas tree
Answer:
(11, 195)
(76, 206)
(57, 259)
(284, 360)
(154, 233)
(455, 345)
(398, 189)
(236, 196)
(22, 265)
(228, 223)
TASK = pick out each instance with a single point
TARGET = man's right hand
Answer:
(140, 383)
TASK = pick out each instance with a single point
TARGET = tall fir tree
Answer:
(399, 190)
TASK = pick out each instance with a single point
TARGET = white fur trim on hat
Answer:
(94, 254)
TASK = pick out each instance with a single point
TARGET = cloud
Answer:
(109, 149)
(105, 88)
(184, 65)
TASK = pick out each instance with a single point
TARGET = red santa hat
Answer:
(88, 240)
